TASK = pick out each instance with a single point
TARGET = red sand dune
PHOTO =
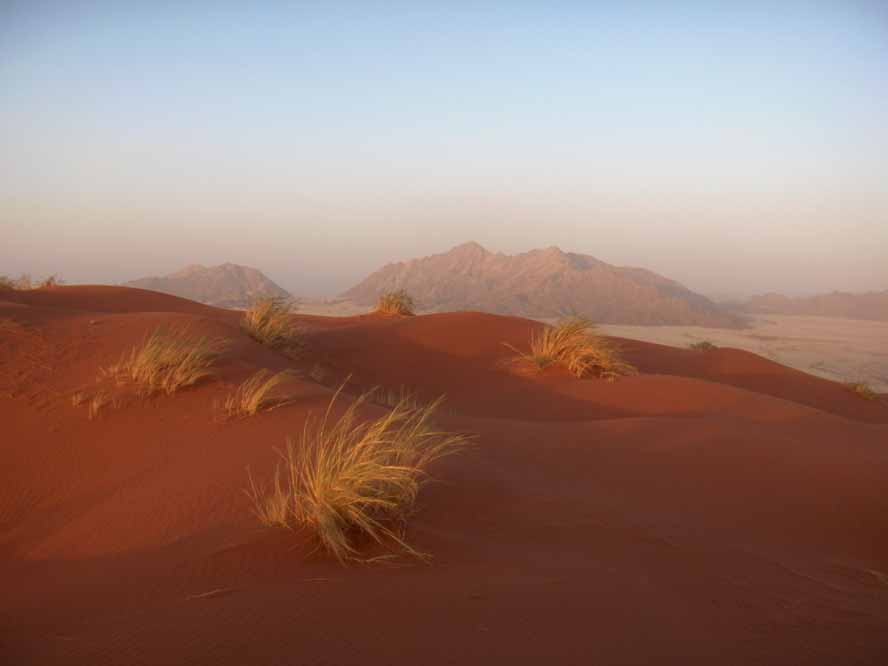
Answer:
(717, 508)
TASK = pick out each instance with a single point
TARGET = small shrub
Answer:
(703, 345)
(169, 361)
(574, 344)
(6, 282)
(395, 303)
(863, 390)
(257, 394)
(268, 321)
(49, 282)
(23, 282)
(318, 373)
(351, 478)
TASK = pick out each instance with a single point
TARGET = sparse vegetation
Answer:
(24, 282)
(391, 397)
(169, 361)
(863, 390)
(268, 321)
(98, 402)
(318, 373)
(49, 282)
(258, 393)
(703, 345)
(349, 479)
(395, 303)
(574, 343)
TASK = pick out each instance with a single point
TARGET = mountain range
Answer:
(226, 286)
(543, 283)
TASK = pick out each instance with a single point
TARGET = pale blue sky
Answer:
(736, 147)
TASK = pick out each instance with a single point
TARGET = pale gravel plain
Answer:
(844, 350)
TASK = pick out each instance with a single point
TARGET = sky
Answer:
(738, 148)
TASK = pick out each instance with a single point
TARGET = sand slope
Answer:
(717, 508)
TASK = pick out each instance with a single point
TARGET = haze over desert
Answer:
(443, 334)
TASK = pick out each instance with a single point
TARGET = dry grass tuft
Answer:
(50, 282)
(863, 390)
(24, 282)
(258, 393)
(574, 344)
(20, 283)
(395, 303)
(351, 479)
(169, 361)
(98, 402)
(703, 345)
(268, 321)
(390, 397)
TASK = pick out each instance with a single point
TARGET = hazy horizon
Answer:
(737, 150)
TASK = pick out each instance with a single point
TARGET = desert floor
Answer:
(844, 350)
(716, 508)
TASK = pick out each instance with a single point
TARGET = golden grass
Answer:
(863, 390)
(268, 321)
(169, 361)
(391, 397)
(574, 343)
(351, 479)
(50, 281)
(395, 302)
(98, 402)
(258, 393)
(23, 282)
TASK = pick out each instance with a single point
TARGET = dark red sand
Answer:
(718, 508)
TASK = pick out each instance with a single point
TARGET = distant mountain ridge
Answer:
(225, 286)
(870, 305)
(543, 283)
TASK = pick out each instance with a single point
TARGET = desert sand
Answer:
(716, 508)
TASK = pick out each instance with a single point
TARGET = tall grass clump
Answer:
(574, 343)
(395, 302)
(260, 392)
(349, 479)
(169, 361)
(863, 390)
(268, 321)
(703, 345)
